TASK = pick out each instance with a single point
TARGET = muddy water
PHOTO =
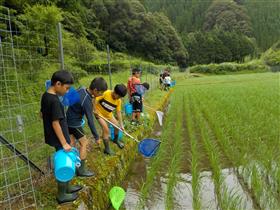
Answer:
(183, 191)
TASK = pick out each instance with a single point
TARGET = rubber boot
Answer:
(62, 195)
(73, 188)
(107, 149)
(117, 142)
(82, 171)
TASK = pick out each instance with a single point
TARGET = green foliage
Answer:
(41, 16)
(37, 27)
(265, 18)
(272, 57)
(227, 16)
(223, 68)
(127, 27)
(218, 46)
(73, 22)
(186, 16)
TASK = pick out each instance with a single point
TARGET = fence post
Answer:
(109, 67)
(60, 45)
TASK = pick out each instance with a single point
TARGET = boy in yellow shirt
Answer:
(105, 105)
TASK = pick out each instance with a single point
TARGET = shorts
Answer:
(136, 100)
(77, 132)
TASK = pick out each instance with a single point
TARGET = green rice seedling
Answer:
(194, 160)
(157, 163)
(214, 157)
(176, 154)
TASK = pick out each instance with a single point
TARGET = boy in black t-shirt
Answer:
(55, 126)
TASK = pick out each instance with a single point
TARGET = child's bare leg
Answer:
(82, 171)
(83, 147)
(133, 116)
(138, 115)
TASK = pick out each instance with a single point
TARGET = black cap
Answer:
(121, 90)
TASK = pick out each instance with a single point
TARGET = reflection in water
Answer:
(183, 190)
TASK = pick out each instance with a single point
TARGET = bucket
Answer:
(65, 164)
(128, 109)
(112, 133)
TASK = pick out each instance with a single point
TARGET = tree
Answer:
(128, 27)
(218, 46)
(227, 16)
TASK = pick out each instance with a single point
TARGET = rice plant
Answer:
(234, 121)
(176, 154)
(194, 160)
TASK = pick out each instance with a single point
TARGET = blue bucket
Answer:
(112, 133)
(65, 164)
(128, 109)
(173, 83)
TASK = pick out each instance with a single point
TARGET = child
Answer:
(134, 98)
(136, 90)
(75, 115)
(105, 105)
(167, 82)
(55, 126)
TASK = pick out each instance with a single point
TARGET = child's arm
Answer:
(58, 131)
(88, 108)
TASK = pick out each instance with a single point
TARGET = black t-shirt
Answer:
(52, 110)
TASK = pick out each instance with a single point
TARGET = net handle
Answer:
(108, 121)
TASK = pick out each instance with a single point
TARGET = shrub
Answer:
(255, 65)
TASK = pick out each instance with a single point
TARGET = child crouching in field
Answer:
(105, 105)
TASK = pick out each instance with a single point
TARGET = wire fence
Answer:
(17, 191)
(29, 54)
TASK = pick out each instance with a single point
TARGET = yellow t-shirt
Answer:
(105, 104)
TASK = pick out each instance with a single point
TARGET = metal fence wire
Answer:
(16, 186)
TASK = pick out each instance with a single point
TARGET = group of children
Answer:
(63, 130)
(165, 80)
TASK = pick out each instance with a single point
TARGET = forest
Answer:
(183, 32)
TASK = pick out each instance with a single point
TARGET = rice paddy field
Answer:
(220, 147)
